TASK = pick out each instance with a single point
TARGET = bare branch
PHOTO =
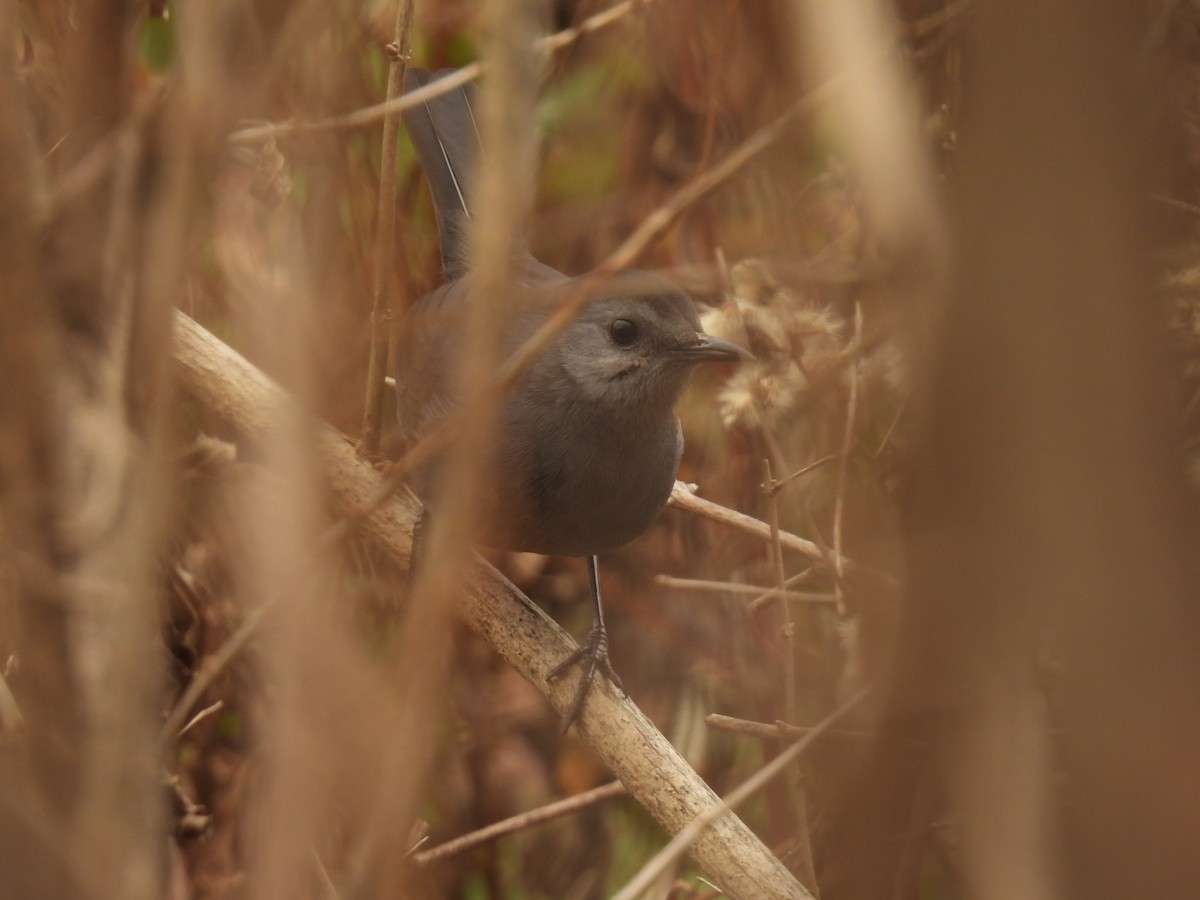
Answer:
(682, 497)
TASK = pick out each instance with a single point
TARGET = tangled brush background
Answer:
(960, 239)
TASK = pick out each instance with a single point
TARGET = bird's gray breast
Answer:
(592, 478)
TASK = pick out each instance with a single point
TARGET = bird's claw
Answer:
(592, 656)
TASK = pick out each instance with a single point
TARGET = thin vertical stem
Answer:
(385, 237)
(789, 627)
(804, 867)
(847, 443)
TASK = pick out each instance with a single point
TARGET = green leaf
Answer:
(156, 44)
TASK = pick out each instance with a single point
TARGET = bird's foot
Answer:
(592, 657)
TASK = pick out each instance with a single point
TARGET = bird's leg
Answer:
(592, 654)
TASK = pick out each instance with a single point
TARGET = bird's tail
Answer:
(446, 138)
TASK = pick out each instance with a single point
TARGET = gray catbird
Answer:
(588, 445)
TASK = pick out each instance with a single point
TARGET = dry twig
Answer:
(775, 730)
(682, 497)
(518, 823)
(761, 594)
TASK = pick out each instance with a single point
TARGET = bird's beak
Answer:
(710, 349)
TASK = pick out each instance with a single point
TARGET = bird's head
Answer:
(637, 344)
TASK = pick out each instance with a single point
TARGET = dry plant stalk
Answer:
(33, 593)
(385, 237)
(322, 718)
(799, 803)
(524, 820)
(1029, 684)
(83, 468)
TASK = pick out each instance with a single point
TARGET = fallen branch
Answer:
(656, 775)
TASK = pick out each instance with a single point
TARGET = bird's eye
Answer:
(623, 332)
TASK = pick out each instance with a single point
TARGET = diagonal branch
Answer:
(660, 780)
